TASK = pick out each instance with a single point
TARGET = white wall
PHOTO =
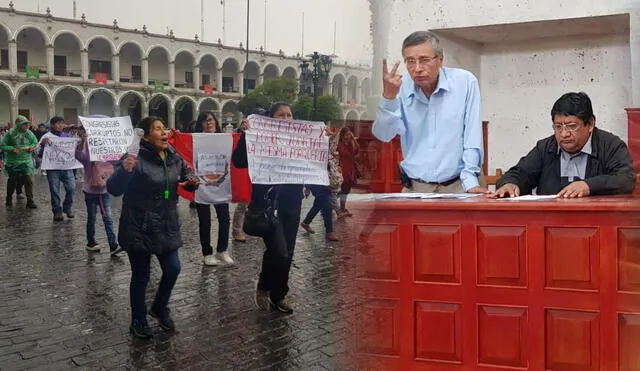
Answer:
(36, 101)
(184, 63)
(129, 56)
(520, 83)
(67, 45)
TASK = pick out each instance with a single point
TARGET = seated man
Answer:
(577, 161)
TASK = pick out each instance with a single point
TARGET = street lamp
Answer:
(318, 67)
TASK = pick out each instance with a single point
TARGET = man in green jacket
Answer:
(18, 145)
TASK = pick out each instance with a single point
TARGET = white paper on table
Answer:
(401, 195)
(455, 196)
(529, 198)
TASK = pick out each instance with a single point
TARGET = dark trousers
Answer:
(322, 204)
(277, 258)
(16, 181)
(94, 203)
(140, 268)
(204, 223)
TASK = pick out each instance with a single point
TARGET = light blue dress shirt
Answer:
(441, 135)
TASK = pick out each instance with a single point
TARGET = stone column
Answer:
(345, 93)
(196, 77)
(359, 95)
(172, 116)
(260, 80)
(144, 107)
(85, 109)
(219, 81)
(84, 62)
(14, 110)
(380, 25)
(115, 68)
(145, 73)
(13, 56)
(240, 82)
(634, 49)
(50, 64)
(196, 110)
(172, 74)
(51, 109)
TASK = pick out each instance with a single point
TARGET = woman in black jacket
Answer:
(149, 222)
(273, 284)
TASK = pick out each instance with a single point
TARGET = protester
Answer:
(18, 145)
(578, 160)
(347, 150)
(208, 123)
(436, 112)
(56, 177)
(280, 242)
(149, 223)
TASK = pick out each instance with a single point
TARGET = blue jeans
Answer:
(55, 177)
(94, 203)
(140, 268)
(321, 203)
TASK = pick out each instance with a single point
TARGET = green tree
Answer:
(328, 108)
(281, 89)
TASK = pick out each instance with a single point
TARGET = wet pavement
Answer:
(63, 308)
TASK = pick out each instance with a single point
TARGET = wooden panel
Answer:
(502, 336)
(380, 260)
(629, 259)
(572, 259)
(378, 326)
(572, 340)
(437, 253)
(629, 339)
(502, 256)
(438, 332)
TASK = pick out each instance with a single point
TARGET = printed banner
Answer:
(60, 154)
(108, 138)
(287, 152)
(212, 164)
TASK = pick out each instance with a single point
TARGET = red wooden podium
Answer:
(498, 285)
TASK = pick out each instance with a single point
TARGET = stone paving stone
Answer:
(64, 308)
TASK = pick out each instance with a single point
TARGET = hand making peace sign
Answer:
(391, 81)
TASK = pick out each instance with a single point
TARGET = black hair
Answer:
(574, 104)
(43, 125)
(260, 111)
(276, 106)
(202, 118)
(147, 123)
(421, 37)
(55, 119)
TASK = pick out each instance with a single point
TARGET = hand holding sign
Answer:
(129, 164)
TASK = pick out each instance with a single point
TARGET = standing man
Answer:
(18, 145)
(55, 177)
(436, 112)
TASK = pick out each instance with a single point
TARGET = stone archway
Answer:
(131, 105)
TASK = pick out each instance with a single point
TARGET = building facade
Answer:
(52, 66)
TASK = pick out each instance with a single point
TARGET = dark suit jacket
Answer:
(609, 167)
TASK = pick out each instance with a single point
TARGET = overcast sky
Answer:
(284, 21)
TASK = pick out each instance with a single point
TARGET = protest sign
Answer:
(108, 138)
(60, 154)
(287, 152)
(212, 163)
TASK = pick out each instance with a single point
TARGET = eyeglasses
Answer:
(422, 61)
(211, 120)
(571, 127)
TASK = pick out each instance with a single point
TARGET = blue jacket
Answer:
(149, 220)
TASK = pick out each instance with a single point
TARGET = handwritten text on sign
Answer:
(287, 152)
(108, 138)
(60, 154)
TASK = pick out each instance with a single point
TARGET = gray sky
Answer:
(284, 21)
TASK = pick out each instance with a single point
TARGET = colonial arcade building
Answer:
(53, 66)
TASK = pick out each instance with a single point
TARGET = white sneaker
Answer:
(211, 260)
(224, 257)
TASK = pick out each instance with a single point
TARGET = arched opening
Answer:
(131, 105)
(208, 72)
(68, 102)
(230, 114)
(4, 46)
(252, 74)
(184, 63)
(33, 102)
(338, 87)
(290, 73)
(100, 56)
(159, 67)
(352, 116)
(184, 113)
(230, 69)
(66, 55)
(352, 90)
(101, 103)
(159, 106)
(131, 63)
(209, 105)
(5, 105)
(271, 72)
(32, 51)
(366, 89)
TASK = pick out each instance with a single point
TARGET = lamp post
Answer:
(316, 68)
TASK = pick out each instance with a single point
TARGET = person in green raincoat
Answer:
(18, 145)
